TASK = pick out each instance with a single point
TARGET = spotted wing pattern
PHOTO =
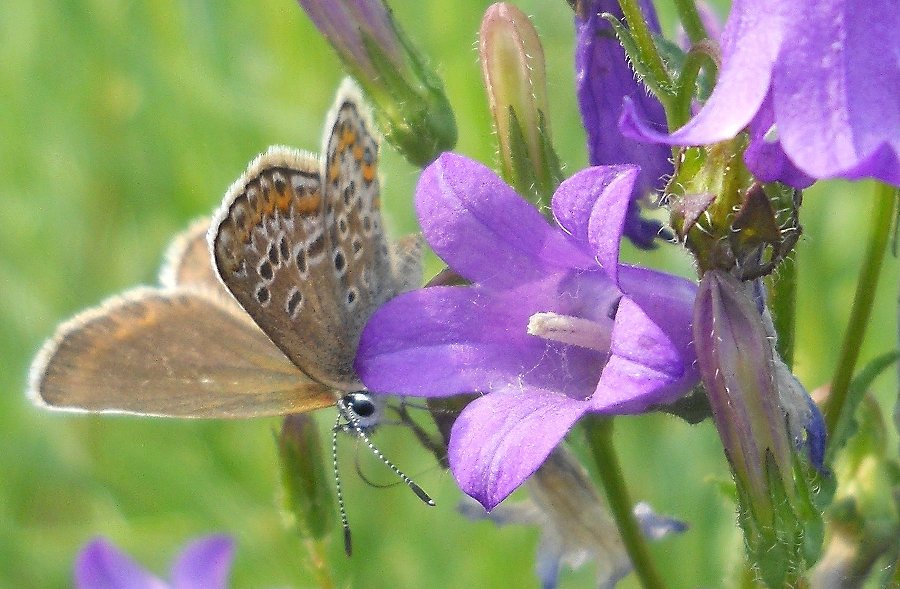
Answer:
(300, 244)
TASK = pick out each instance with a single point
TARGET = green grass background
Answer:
(121, 121)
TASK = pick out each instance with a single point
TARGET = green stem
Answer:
(783, 303)
(681, 104)
(643, 37)
(599, 434)
(690, 20)
(882, 218)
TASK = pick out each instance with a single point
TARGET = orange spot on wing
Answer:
(309, 204)
(283, 200)
(368, 172)
(358, 152)
(348, 139)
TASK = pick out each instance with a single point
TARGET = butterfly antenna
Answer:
(348, 545)
(354, 424)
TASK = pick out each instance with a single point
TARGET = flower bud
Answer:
(306, 487)
(737, 367)
(410, 105)
(512, 64)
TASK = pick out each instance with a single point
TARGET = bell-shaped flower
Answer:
(552, 326)
(816, 82)
(604, 79)
(204, 563)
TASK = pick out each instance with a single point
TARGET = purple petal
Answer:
(751, 40)
(484, 230)
(592, 206)
(765, 156)
(645, 367)
(100, 565)
(836, 89)
(604, 78)
(500, 439)
(204, 564)
(442, 341)
(667, 299)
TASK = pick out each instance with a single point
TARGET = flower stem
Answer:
(643, 38)
(783, 303)
(599, 434)
(690, 20)
(882, 218)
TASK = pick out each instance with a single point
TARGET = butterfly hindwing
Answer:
(169, 352)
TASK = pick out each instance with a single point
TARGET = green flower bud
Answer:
(410, 105)
(512, 64)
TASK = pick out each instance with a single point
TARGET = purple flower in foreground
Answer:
(817, 83)
(552, 327)
(604, 78)
(204, 564)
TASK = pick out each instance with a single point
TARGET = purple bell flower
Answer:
(604, 79)
(203, 564)
(816, 82)
(552, 326)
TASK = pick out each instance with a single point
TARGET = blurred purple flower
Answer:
(604, 78)
(203, 564)
(552, 327)
(816, 82)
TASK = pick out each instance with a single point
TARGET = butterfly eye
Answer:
(360, 403)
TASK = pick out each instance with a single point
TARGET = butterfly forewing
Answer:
(359, 259)
(299, 242)
(177, 353)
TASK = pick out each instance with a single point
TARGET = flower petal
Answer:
(750, 43)
(100, 565)
(765, 156)
(484, 230)
(592, 206)
(442, 341)
(645, 366)
(668, 300)
(604, 77)
(500, 439)
(204, 564)
(836, 88)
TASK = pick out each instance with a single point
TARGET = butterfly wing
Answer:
(300, 244)
(169, 352)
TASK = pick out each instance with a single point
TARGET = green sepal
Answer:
(535, 180)
(413, 115)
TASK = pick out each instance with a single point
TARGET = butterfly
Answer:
(259, 311)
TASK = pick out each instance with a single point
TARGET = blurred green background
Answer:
(121, 121)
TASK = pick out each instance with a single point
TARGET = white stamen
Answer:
(571, 330)
(771, 136)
